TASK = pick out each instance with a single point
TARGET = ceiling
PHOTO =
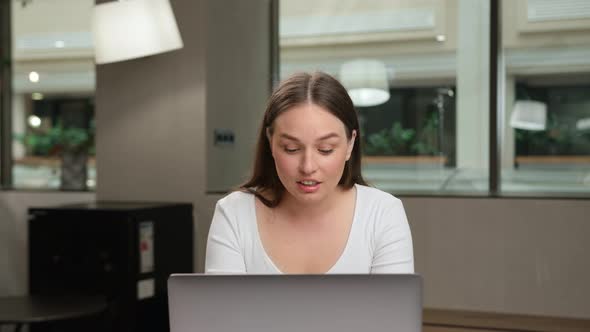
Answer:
(53, 37)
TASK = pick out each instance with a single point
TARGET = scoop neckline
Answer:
(342, 254)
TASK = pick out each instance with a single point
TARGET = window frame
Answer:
(5, 95)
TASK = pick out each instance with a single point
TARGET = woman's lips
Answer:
(308, 186)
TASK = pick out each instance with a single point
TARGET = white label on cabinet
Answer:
(145, 288)
(146, 246)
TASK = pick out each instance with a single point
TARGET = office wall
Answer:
(525, 256)
(150, 120)
(14, 233)
(238, 84)
(151, 113)
(506, 255)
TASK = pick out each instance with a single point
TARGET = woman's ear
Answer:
(350, 144)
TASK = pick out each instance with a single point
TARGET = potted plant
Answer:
(72, 145)
(387, 142)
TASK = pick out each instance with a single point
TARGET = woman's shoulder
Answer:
(236, 199)
(381, 209)
(236, 208)
(372, 194)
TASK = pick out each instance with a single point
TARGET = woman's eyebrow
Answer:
(293, 138)
(330, 135)
(289, 137)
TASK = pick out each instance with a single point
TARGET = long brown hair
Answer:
(320, 89)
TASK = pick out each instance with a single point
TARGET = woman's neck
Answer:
(312, 210)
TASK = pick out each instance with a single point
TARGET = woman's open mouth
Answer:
(308, 186)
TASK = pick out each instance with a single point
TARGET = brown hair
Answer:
(320, 89)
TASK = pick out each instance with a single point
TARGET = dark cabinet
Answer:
(122, 251)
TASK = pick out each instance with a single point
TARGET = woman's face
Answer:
(310, 147)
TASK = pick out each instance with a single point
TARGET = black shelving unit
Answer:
(122, 251)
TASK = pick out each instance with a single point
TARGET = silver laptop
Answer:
(295, 303)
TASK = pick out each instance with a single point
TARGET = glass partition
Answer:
(546, 137)
(418, 73)
(53, 84)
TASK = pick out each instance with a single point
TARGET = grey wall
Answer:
(150, 120)
(508, 255)
(14, 233)
(151, 113)
(238, 84)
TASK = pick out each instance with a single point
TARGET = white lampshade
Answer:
(529, 115)
(124, 30)
(366, 82)
(583, 124)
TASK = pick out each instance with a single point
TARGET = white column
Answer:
(508, 137)
(19, 124)
(473, 84)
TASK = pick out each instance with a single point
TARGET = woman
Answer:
(306, 208)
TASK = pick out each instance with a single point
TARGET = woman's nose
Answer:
(308, 163)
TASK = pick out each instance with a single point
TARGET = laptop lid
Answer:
(295, 303)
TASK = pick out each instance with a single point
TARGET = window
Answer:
(430, 133)
(546, 147)
(55, 147)
(52, 109)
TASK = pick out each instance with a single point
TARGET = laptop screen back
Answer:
(289, 303)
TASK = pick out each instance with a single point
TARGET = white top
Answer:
(379, 240)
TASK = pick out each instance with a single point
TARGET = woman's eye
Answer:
(326, 151)
(291, 150)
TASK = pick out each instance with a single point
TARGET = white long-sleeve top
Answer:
(379, 240)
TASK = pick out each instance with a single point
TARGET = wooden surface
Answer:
(552, 160)
(455, 329)
(46, 161)
(440, 320)
(435, 160)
